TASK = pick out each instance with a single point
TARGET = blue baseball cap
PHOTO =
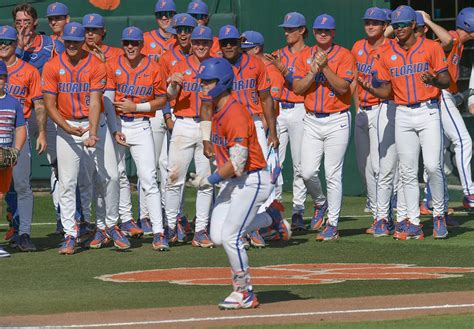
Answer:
(57, 9)
(387, 12)
(202, 33)
(375, 14)
(165, 5)
(251, 39)
(403, 14)
(419, 20)
(229, 32)
(94, 21)
(132, 33)
(324, 21)
(198, 8)
(171, 30)
(465, 19)
(3, 68)
(8, 33)
(74, 32)
(293, 19)
(183, 20)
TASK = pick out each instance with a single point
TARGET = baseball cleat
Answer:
(318, 218)
(297, 222)
(367, 207)
(256, 240)
(69, 246)
(440, 230)
(145, 225)
(424, 209)
(120, 240)
(284, 228)
(181, 229)
(14, 240)
(100, 238)
(400, 229)
(238, 300)
(245, 242)
(25, 243)
(9, 234)
(172, 236)
(329, 233)
(412, 232)
(201, 239)
(275, 211)
(160, 242)
(4, 253)
(131, 229)
(468, 201)
(381, 228)
(269, 234)
(371, 229)
(451, 222)
(85, 231)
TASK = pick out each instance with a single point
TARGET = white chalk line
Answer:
(264, 316)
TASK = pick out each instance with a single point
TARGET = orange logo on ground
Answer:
(292, 274)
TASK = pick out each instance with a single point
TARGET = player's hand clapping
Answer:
(125, 105)
(429, 77)
(176, 79)
(365, 84)
(321, 59)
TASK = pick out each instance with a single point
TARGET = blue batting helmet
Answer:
(465, 19)
(217, 69)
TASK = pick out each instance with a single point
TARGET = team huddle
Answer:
(177, 93)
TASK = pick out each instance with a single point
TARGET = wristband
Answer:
(214, 178)
(206, 127)
(167, 109)
(143, 107)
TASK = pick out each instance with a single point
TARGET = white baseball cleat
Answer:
(237, 300)
(3, 253)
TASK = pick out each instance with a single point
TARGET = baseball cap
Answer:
(251, 39)
(201, 33)
(324, 21)
(171, 30)
(387, 12)
(94, 21)
(3, 68)
(465, 19)
(293, 19)
(419, 20)
(375, 14)
(165, 5)
(74, 32)
(8, 33)
(403, 14)
(132, 33)
(229, 32)
(198, 8)
(57, 9)
(183, 20)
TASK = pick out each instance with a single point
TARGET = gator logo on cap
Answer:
(324, 20)
(288, 17)
(371, 11)
(195, 5)
(163, 3)
(227, 30)
(130, 31)
(4, 30)
(73, 29)
(201, 31)
(398, 13)
(53, 7)
(183, 19)
(91, 18)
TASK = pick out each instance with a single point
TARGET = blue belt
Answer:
(372, 107)
(197, 119)
(417, 105)
(325, 115)
(287, 105)
(130, 119)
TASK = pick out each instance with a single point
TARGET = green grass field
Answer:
(46, 282)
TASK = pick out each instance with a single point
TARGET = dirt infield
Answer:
(314, 310)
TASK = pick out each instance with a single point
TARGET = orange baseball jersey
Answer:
(155, 45)
(230, 126)
(111, 52)
(320, 96)
(188, 100)
(251, 78)
(403, 68)
(73, 84)
(366, 56)
(216, 48)
(170, 59)
(288, 58)
(24, 83)
(454, 57)
(276, 82)
(140, 84)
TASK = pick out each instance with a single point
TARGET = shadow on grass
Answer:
(285, 244)
(274, 296)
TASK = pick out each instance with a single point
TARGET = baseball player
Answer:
(72, 85)
(291, 118)
(95, 33)
(323, 74)
(471, 87)
(454, 127)
(158, 41)
(24, 83)
(245, 182)
(137, 91)
(200, 12)
(12, 133)
(186, 140)
(415, 70)
(58, 16)
(375, 126)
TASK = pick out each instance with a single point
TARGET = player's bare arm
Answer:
(20, 137)
(384, 91)
(94, 114)
(50, 103)
(439, 80)
(354, 93)
(269, 115)
(300, 86)
(175, 83)
(41, 118)
(445, 39)
(206, 117)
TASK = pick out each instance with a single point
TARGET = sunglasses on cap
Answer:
(134, 43)
(7, 42)
(167, 14)
(231, 42)
(184, 29)
(199, 16)
(400, 25)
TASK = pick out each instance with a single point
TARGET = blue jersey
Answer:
(42, 50)
(11, 117)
